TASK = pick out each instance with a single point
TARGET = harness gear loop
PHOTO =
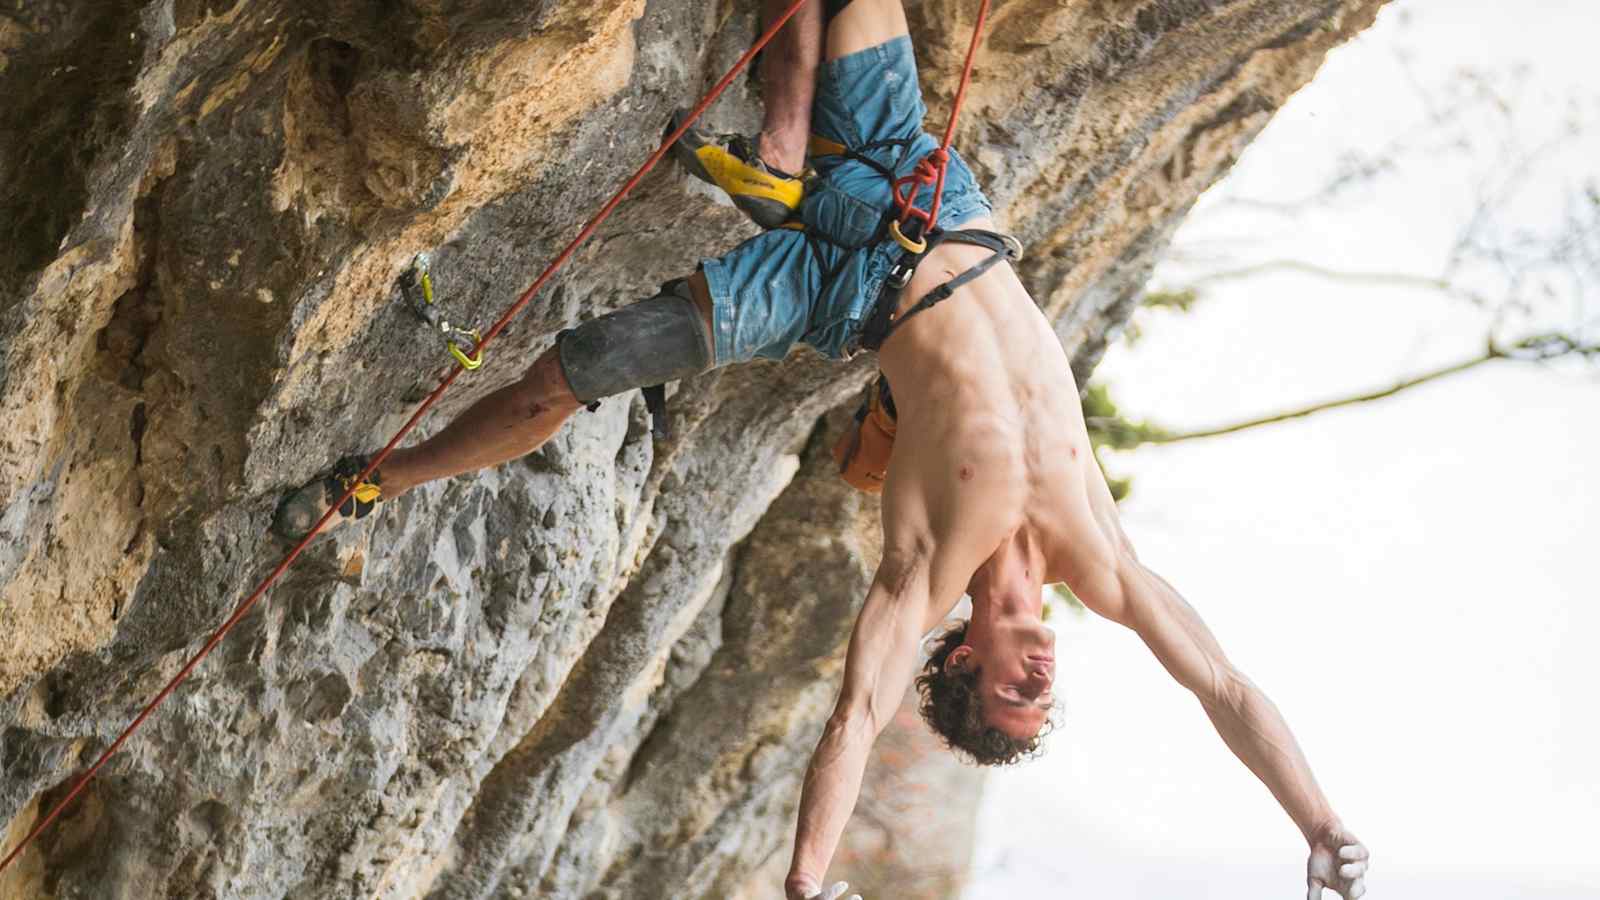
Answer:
(416, 283)
(377, 460)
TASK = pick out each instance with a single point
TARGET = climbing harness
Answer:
(377, 460)
(416, 284)
(883, 320)
(916, 230)
(863, 452)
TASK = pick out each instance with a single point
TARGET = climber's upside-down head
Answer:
(986, 688)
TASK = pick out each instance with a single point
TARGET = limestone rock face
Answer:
(596, 672)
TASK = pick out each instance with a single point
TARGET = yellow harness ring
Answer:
(919, 246)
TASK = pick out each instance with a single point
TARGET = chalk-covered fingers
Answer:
(1354, 861)
(1353, 852)
(1353, 858)
(835, 891)
(1351, 891)
(1338, 863)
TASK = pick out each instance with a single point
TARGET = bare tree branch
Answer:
(1365, 279)
(1538, 348)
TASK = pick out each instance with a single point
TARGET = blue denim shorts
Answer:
(774, 290)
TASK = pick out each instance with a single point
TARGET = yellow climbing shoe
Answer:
(730, 162)
(301, 509)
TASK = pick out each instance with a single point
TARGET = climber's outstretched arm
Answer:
(879, 666)
(1126, 591)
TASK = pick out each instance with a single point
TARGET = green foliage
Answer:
(1180, 300)
(1120, 487)
(1109, 428)
(1061, 596)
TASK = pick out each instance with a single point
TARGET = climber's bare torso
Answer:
(991, 446)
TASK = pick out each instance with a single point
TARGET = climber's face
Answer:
(1013, 658)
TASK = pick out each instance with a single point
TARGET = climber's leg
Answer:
(788, 74)
(756, 300)
(666, 337)
(511, 422)
(663, 338)
(506, 424)
(763, 174)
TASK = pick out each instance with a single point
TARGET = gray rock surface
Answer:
(595, 672)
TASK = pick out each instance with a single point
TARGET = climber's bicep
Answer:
(882, 655)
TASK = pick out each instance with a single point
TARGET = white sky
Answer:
(1413, 582)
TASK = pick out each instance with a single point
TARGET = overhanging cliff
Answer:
(594, 672)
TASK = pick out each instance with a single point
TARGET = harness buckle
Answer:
(900, 273)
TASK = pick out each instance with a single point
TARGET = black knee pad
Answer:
(653, 341)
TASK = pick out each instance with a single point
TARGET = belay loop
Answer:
(910, 228)
(913, 224)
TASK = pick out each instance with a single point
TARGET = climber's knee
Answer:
(544, 386)
(654, 341)
(701, 292)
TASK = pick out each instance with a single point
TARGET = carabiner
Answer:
(470, 363)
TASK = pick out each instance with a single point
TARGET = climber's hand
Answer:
(1338, 862)
(808, 889)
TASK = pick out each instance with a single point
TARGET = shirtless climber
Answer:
(993, 490)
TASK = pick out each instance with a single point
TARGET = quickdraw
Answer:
(416, 284)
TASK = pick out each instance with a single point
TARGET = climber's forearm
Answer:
(832, 783)
(1256, 732)
(879, 665)
(1246, 720)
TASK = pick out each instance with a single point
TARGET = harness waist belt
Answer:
(882, 322)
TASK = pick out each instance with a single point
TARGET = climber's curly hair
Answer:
(951, 707)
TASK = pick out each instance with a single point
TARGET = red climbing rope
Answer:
(522, 301)
(931, 168)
